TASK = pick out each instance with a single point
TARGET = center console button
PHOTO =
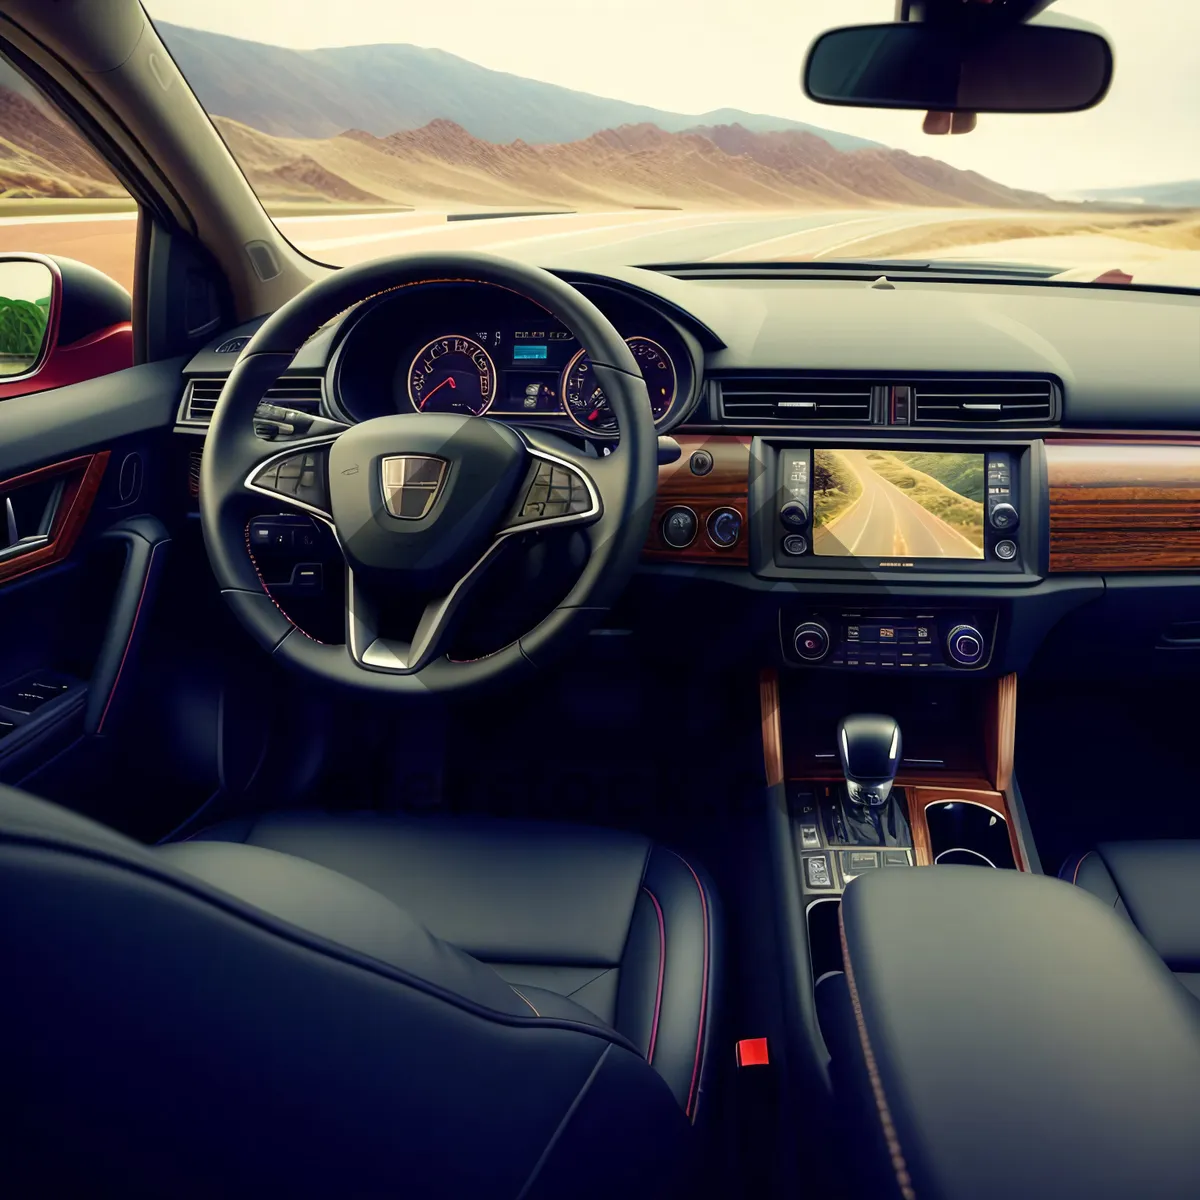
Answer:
(965, 645)
(794, 514)
(809, 838)
(1003, 516)
(701, 462)
(795, 544)
(816, 871)
(811, 641)
(679, 527)
(895, 858)
(1006, 550)
(724, 527)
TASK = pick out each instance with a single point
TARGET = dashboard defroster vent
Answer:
(984, 402)
(302, 392)
(796, 401)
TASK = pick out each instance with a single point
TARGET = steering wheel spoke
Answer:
(296, 475)
(432, 634)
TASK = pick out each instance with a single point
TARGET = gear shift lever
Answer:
(869, 749)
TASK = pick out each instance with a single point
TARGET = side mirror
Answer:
(30, 290)
(976, 68)
(60, 321)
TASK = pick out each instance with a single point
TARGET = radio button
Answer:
(794, 515)
(1006, 550)
(795, 545)
(679, 527)
(965, 645)
(1003, 516)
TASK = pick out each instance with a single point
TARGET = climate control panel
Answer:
(892, 640)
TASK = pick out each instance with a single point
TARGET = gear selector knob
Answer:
(869, 750)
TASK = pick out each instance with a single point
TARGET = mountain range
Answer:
(385, 88)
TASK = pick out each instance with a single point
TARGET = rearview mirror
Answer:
(1019, 68)
(27, 288)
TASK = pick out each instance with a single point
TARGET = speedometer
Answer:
(585, 402)
(452, 374)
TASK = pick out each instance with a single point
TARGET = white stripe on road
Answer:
(787, 237)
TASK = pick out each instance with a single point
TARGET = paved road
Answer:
(884, 521)
(562, 239)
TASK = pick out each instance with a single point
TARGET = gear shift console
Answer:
(869, 749)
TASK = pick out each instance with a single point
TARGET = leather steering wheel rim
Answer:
(625, 480)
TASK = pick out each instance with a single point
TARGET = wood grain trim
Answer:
(1124, 506)
(727, 485)
(920, 798)
(83, 483)
(772, 728)
(1000, 731)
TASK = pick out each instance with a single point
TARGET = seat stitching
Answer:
(526, 999)
(662, 962)
(703, 987)
(895, 1151)
(588, 983)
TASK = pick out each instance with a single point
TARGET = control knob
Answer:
(811, 641)
(1004, 516)
(794, 514)
(965, 645)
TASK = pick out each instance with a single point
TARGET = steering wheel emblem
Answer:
(411, 484)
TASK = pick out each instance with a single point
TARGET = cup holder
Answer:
(968, 834)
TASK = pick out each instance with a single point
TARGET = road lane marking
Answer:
(795, 233)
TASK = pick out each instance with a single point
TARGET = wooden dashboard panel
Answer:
(1124, 506)
(727, 485)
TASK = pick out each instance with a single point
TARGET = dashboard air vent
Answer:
(983, 402)
(301, 392)
(235, 345)
(796, 401)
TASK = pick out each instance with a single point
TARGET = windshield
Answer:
(650, 132)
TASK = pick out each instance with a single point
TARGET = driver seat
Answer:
(310, 1004)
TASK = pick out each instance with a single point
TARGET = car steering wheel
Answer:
(422, 503)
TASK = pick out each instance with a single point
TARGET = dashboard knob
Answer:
(1004, 516)
(965, 645)
(811, 641)
(794, 514)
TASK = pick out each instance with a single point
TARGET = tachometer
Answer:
(585, 401)
(452, 374)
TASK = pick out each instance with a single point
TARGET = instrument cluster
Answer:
(483, 351)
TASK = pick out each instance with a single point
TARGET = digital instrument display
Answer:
(898, 503)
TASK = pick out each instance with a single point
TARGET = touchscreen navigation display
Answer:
(885, 503)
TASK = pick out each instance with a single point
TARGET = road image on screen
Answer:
(898, 503)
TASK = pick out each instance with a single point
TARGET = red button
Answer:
(752, 1052)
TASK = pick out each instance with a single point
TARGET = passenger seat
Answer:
(1157, 886)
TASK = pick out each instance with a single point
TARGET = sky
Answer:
(697, 55)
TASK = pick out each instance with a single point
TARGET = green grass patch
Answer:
(835, 486)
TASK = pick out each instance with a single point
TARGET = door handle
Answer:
(19, 543)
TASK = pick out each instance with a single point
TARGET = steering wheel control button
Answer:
(554, 492)
(794, 515)
(795, 544)
(300, 475)
(724, 527)
(701, 462)
(679, 527)
(1003, 516)
(965, 645)
(1006, 550)
(811, 641)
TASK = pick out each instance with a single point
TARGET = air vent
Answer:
(984, 402)
(200, 397)
(194, 472)
(234, 345)
(796, 401)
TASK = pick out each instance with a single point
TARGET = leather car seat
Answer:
(1156, 884)
(360, 1005)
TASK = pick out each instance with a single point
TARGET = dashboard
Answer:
(929, 477)
(481, 350)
